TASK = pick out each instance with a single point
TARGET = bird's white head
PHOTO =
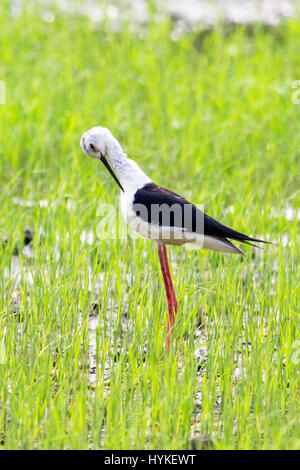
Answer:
(99, 141)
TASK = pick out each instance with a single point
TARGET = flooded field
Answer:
(214, 117)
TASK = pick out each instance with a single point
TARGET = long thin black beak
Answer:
(105, 163)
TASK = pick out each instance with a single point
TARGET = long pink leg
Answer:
(175, 304)
(171, 298)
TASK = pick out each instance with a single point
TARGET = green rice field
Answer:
(210, 114)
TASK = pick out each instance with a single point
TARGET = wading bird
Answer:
(157, 213)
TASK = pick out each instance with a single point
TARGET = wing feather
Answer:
(190, 218)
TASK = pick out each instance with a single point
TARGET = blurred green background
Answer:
(211, 113)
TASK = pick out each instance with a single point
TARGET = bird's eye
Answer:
(92, 147)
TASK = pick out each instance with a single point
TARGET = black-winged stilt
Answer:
(157, 213)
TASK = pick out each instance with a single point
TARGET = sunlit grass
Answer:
(213, 120)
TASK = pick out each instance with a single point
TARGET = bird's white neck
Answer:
(129, 173)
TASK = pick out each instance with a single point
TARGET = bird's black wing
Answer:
(157, 205)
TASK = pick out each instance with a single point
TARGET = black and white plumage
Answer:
(215, 234)
(158, 213)
(140, 195)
